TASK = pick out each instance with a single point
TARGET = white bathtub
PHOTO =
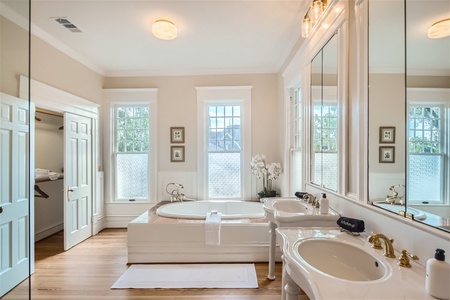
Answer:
(153, 238)
(199, 209)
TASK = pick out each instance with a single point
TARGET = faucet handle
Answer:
(403, 259)
(375, 241)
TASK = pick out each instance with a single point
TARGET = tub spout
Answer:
(175, 194)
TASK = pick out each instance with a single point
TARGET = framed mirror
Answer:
(428, 113)
(324, 116)
(409, 96)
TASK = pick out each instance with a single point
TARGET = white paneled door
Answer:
(77, 179)
(15, 181)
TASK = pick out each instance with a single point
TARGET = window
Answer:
(296, 142)
(224, 143)
(326, 145)
(131, 149)
(224, 151)
(130, 138)
(426, 153)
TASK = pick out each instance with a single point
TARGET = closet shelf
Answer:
(39, 179)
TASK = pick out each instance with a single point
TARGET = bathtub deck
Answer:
(155, 239)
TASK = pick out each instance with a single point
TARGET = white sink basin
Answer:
(328, 264)
(340, 260)
(290, 212)
(291, 206)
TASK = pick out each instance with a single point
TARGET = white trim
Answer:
(48, 232)
(224, 93)
(362, 94)
(53, 99)
(112, 97)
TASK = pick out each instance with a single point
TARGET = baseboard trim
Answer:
(119, 221)
(48, 232)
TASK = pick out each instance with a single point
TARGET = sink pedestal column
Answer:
(290, 288)
(272, 246)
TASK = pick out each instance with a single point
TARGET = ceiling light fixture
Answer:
(439, 29)
(164, 30)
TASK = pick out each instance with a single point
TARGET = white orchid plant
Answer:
(267, 173)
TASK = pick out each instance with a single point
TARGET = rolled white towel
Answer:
(53, 175)
(41, 172)
(212, 228)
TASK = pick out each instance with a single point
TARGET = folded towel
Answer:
(300, 194)
(352, 225)
(212, 228)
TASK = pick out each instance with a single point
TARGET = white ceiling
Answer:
(222, 36)
(214, 37)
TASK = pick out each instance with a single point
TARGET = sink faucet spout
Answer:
(375, 240)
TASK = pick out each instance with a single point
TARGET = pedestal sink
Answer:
(290, 206)
(340, 260)
(292, 212)
(328, 264)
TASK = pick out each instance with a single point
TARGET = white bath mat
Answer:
(224, 276)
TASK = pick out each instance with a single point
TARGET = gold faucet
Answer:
(403, 260)
(375, 240)
(310, 199)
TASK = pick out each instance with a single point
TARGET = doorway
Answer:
(49, 173)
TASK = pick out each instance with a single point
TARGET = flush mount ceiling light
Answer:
(164, 30)
(439, 29)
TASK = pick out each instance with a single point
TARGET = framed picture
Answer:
(387, 154)
(177, 134)
(176, 153)
(387, 135)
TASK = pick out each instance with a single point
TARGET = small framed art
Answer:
(176, 153)
(387, 154)
(177, 134)
(387, 135)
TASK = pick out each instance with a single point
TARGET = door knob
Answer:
(69, 191)
(1, 209)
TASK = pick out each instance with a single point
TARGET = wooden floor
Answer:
(88, 270)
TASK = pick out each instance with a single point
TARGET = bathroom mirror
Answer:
(16, 117)
(409, 99)
(324, 116)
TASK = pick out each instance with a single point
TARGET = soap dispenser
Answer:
(438, 276)
(324, 203)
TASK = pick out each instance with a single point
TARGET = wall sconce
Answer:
(439, 29)
(312, 16)
(306, 26)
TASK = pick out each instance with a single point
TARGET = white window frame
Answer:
(226, 95)
(437, 97)
(296, 138)
(129, 97)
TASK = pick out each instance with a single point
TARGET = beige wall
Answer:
(52, 67)
(14, 56)
(177, 106)
(386, 109)
(48, 65)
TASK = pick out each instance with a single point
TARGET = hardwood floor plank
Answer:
(88, 270)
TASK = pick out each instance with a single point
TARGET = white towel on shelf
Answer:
(212, 228)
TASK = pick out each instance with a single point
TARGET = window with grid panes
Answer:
(131, 151)
(426, 154)
(224, 151)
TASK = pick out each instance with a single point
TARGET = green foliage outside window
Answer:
(325, 128)
(424, 129)
(133, 126)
